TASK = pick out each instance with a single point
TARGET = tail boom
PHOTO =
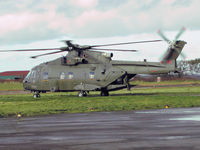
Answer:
(173, 51)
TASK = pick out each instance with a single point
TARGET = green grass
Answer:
(9, 86)
(172, 82)
(137, 99)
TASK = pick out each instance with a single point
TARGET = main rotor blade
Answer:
(22, 50)
(180, 33)
(163, 36)
(69, 43)
(121, 50)
(125, 43)
(46, 54)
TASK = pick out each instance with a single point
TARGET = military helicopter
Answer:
(85, 68)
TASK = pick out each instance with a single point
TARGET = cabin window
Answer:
(45, 75)
(91, 75)
(70, 75)
(62, 75)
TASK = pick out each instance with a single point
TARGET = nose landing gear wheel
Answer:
(82, 94)
(36, 94)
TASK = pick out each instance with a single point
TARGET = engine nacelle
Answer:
(73, 61)
(79, 60)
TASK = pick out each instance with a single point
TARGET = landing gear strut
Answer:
(82, 94)
(36, 94)
(104, 93)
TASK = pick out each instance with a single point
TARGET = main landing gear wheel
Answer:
(82, 94)
(104, 93)
(36, 94)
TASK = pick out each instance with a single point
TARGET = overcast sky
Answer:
(41, 24)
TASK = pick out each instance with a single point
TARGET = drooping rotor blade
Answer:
(125, 43)
(22, 50)
(46, 54)
(180, 33)
(121, 50)
(163, 36)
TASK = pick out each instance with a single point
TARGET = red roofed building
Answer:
(13, 75)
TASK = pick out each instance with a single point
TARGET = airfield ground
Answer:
(145, 96)
(171, 129)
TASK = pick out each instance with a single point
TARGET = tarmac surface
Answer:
(171, 129)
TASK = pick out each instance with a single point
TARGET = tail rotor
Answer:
(175, 46)
(180, 33)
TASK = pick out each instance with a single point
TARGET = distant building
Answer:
(13, 75)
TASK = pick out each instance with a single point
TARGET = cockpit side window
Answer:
(28, 75)
(33, 74)
(45, 75)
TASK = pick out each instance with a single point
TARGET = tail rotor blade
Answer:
(183, 55)
(180, 33)
(163, 36)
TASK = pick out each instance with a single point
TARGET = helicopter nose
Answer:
(26, 84)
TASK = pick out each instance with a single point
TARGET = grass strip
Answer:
(138, 99)
(9, 86)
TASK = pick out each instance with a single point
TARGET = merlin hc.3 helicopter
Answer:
(85, 69)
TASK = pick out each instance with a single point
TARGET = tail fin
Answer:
(173, 51)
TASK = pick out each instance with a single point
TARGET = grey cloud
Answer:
(26, 36)
(107, 5)
(130, 16)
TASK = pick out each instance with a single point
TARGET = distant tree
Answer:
(189, 66)
(195, 61)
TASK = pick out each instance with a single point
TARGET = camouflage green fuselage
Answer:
(53, 76)
(95, 71)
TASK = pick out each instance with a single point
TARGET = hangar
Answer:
(13, 75)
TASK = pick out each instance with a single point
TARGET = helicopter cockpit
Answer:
(31, 76)
(30, 79)
(27, 78)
